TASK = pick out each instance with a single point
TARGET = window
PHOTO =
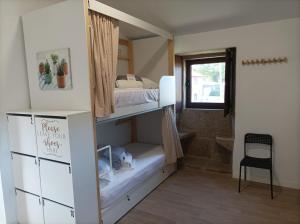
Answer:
(205, 82)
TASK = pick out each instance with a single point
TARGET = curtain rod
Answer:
(124, 17)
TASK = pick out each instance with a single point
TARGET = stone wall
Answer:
(203, 150)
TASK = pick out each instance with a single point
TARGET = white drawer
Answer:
(26, 173)
(56, 182)
(53, 138)
(22, 134)
(55, 213)
(29, 208)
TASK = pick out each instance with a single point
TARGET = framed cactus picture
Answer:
(54, 69)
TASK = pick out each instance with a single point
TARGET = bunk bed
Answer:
(136, 123)
(138, 112)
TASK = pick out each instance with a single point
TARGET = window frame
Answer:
(188, 85)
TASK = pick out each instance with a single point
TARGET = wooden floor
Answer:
(191, 196)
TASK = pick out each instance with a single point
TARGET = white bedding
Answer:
(135, 96)
(149, 159)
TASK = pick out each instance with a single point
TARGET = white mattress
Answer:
(135, 96)
(149, 159)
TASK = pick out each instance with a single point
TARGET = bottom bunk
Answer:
(132, 161)
(127, 186)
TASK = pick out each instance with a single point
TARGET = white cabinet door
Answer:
(55, 213)
(29, 208)
(22, 134)
(26, 173)
(53, 138)
(56, 182)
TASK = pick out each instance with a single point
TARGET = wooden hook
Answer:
(264, 61)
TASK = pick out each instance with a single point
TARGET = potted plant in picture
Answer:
(65, 65)
(54, 58)
(61, 82)
(41, 68)
(48, 75)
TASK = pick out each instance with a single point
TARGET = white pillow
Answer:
(124, 84)
(149, 84)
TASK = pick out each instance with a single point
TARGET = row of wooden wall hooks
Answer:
(264, 61)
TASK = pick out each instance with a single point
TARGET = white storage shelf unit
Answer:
(54, 166)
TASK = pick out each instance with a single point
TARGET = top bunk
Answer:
(144, 80)
(142, 83)
(139, 100)
(144, 50)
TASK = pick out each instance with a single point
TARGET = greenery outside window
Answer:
(205, 82)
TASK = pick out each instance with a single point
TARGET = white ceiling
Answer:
(131, 32)
(192, 16)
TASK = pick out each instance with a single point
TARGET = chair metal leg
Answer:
(240, 179)
(271, 182)
(245, 173)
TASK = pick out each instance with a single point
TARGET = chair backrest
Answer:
(264, 139)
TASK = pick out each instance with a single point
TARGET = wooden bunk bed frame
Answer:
(80, 46)
(135, 195)
(166, 84)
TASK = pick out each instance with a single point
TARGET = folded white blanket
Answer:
(120, 158)
(127, 160)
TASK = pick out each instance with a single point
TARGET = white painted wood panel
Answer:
(26, 173)
(132, 110)
(29, 208)
(64, 29)
(22, 134)
(124, 17)
(167, 91)
(84, 168)
(55, 213)
(56, 182)
(53, 138)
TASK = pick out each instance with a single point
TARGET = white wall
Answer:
(43, 34)
(267, 96)
(121, 136)
(151, 57)
(14, 93)
(2, 209)
(122, 66)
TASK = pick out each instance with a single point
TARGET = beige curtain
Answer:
(171, 141)
(104, 38)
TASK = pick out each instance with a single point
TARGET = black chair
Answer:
(263, 163)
